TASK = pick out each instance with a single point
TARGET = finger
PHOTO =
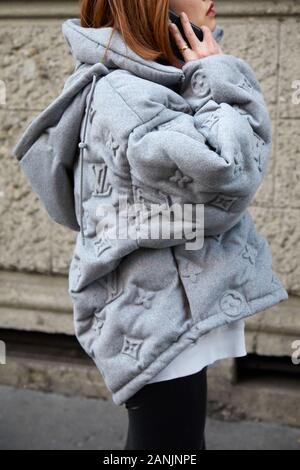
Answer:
(207, 36)
(189, 32)
(212, 44)
(180, 42)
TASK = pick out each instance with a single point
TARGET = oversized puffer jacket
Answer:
(125, 127)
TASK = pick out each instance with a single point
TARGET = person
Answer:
(135, 121)
(175, 406)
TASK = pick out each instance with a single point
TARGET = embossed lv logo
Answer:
(147, 199)
(102, 187)
(223, 201)
(112, 285)
(131, 347)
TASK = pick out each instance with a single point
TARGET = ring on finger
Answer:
(184, 48)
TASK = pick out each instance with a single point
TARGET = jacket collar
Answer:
(88, 46)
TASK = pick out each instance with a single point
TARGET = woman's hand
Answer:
(197, 49)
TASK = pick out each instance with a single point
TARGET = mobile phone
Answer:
(175, 18)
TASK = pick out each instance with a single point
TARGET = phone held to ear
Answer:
(175, 18)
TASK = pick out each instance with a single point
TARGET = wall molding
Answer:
(35, 302)
(70, 8)
(41, 302)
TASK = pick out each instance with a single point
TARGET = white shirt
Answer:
(220, 343)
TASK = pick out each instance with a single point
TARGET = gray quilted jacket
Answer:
(125, 126)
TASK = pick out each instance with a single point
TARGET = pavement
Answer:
(31, 420)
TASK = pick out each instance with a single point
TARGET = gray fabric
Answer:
(139, 302)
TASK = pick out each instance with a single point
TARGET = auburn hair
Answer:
(143, 25)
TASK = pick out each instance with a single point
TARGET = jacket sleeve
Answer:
(216, 154)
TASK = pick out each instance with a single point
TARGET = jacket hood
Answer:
(50, 145)
(88, 46)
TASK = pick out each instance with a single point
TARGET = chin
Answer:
(211, 23)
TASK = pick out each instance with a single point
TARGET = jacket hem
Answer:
(190, 336)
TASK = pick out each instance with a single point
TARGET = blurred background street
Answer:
(35, 420)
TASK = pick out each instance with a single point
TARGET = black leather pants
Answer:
(170, 414)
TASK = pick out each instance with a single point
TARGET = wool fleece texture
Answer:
(125, 126)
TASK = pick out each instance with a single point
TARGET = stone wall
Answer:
(35, 251)
(34, 61)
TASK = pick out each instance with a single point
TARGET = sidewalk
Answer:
(33, 420)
